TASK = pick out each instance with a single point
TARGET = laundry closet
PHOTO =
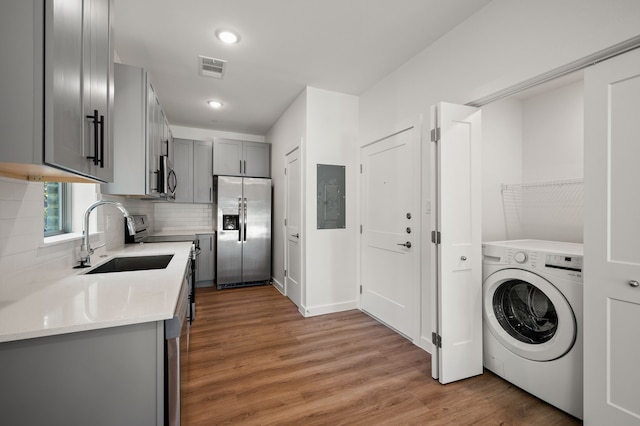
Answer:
(532, 163)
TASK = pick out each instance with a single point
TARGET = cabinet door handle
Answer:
(95, 119)
(209, 193)
(101, 160)
(240, 166)
(245, 167)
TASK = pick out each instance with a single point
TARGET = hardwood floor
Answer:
(254, 360)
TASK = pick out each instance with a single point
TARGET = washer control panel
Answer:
(559, 260)
(568, 263)
(520, 257)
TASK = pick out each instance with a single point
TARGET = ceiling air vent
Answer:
(211, 67)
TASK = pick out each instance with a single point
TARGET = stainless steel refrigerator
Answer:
(243, 231)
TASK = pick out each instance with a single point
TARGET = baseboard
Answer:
(424, 344)
(278, 285)
(312, 311)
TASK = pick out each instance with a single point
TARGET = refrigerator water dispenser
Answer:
(230, 222)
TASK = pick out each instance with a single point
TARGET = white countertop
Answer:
(66, 303)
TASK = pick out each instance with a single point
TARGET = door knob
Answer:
(634, 283)
(407, 244)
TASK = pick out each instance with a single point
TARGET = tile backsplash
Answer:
(169, 217)
(23, 253)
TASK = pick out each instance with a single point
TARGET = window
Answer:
(57, 211)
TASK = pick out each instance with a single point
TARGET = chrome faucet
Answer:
(85, 249)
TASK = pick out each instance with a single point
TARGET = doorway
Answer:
(293, 229)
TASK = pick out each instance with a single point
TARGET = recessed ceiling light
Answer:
(227, 36)
(214, 104)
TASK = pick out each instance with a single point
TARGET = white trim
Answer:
(330, 309)
(278, 285)
(68, 237)
(569, 68)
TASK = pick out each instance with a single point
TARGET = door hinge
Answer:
(435, 134)
(285, 222)
(361, 168)
(435, 237)
(285, 272)
(436, 339)
(361, 229)
(361, 289)
(285, 172)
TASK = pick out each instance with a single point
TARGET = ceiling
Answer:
(339, 45)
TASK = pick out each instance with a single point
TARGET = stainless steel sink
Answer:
(133, 263)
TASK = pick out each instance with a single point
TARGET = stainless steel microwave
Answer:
(167, 180)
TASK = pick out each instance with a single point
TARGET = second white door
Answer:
(293, 211)
(391, 230)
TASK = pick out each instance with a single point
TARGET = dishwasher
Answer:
(176, 332)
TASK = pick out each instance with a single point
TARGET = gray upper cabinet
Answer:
(183, 167)
(202, 172)
(57, 90)
(241, 158)
(193, 166)
(141, 134)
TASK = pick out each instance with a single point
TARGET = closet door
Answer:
(457, 258)
(612, 241)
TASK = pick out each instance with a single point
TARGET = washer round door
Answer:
(528, 315)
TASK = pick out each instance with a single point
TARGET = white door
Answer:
(456, 260)
(293, 217)
(391, 230)
(612, 242)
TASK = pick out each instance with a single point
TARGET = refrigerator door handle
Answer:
(245, 219)
(239, 217)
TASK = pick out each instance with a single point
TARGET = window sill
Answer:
(65, 238)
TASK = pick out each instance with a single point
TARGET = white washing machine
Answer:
(532, 318)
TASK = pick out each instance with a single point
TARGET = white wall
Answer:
(501, 164)
(331, 265)
(324, 125)
(536, 140)
(554, 135)
(285, 135)
(505, 43)
(553, 146)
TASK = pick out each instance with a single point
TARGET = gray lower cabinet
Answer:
(111, 376)
(193, 165)
(206, 270)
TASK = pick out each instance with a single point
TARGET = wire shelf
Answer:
(532, 208)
